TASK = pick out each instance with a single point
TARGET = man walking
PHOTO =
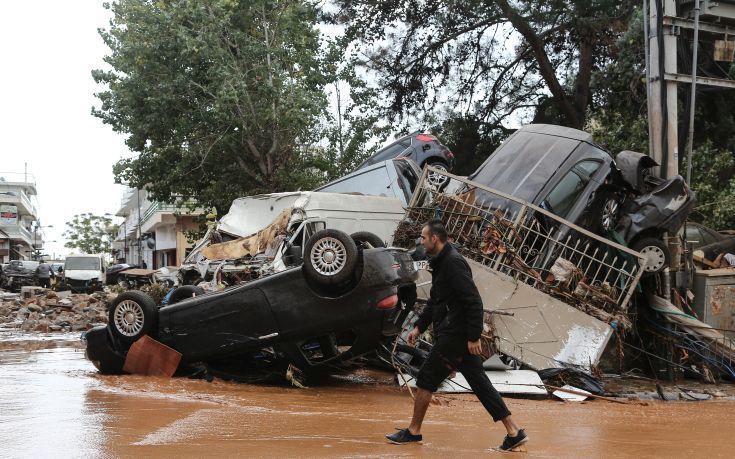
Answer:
(455, 310)
(43, 271)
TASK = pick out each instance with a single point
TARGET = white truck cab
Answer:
(85, 272)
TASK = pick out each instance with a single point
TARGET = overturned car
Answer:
(319, 296)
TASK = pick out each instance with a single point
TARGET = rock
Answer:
(34, 308)
(80, 325)
(51, 294)
(23, 311)
(43, 326)
(93, 299)
(65, 302)
(54, 327)
(29, 325)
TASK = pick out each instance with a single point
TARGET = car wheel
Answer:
(437, 179)
(184, 292)
(656, 253)
(331, 257)
(367, 240)
(609, 213)
(132, 315)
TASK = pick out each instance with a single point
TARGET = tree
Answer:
(218, 98)
(90, 233)
(457, 53)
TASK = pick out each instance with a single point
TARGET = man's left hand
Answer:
(475, 347)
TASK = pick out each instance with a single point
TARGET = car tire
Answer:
(655, 251)
(184, 292)
(610, 207)
(438, 181)
(132, 315)
(367, 240)
(330, 257)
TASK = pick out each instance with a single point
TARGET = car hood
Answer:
(82, 274)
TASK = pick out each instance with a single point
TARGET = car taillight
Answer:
(450, 154)
(425, 137)
(388, 302)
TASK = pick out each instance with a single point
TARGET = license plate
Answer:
(421, 264)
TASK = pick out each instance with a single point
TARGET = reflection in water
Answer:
(54, 404)
(43, 385)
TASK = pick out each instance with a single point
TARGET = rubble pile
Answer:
(43, 311)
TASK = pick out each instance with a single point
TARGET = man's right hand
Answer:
(413, 336)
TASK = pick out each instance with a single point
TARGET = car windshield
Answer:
(82, 263)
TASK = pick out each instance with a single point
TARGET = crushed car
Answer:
(261, 233)
(563, 171)
(420, 147)
(334, 303)
(17, 274)
(537, 224)
(299, 277)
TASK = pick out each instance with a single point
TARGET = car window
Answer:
(562, 198)
(407, 178)
(391, 151)
(588, 167)
(375, 182)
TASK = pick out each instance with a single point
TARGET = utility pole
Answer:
(662, 28)
(662, 108)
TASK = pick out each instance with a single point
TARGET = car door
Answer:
(571, 196)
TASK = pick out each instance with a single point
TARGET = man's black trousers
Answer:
(450, 354)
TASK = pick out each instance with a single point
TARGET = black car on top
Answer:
(563, 171)
(420, 147)
(337, 304)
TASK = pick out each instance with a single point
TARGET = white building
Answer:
(20, 230)
(152, 232)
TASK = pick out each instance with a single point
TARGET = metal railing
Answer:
(528, 243)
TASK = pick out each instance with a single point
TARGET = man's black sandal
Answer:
(403, 436)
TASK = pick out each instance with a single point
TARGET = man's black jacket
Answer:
(455, 306)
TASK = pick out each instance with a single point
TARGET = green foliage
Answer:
(155, 291)
(90, 233)
(429, 56)
(218, 98)
(712, 171)
(617, 132)
(471, 141)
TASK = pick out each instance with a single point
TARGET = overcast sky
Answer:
(48, 49)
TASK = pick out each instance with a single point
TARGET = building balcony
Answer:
(19, 199)
(19, 233)
(163, 213)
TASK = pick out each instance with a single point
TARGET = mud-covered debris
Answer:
(45, 311)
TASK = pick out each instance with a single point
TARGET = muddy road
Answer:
(53, 403)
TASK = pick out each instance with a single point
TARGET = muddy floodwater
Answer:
(53, 403)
